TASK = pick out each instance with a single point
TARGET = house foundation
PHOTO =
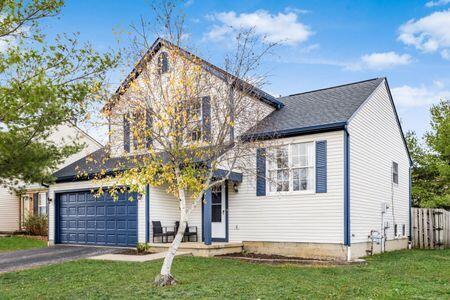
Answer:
(200, 249)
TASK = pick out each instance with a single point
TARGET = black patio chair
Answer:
(188, 232)
(162, 232)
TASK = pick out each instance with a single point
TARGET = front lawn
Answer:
(15, 243)
(397, 275)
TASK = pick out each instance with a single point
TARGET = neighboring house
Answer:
(16, 206)
(351, 180)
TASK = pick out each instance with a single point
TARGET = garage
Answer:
(83, 219)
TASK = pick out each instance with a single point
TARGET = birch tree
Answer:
(185, 117)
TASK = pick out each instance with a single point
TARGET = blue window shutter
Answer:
(261, 172)
(206, 118)
(126, 133)
(321, 166)
(148, 123)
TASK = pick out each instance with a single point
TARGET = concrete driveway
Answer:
(26, 259)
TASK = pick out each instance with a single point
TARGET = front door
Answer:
(218, 212)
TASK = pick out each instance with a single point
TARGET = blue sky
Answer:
(323, 43)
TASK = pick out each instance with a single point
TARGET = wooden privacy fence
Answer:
(430, 228)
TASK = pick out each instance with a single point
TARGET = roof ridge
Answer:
(154, 48)
(333, 87)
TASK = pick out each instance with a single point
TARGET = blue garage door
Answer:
(83, 219)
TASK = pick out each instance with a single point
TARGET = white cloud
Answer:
(385, 60)
(428, 34)
(408, 97)
(188, 3)
(379, 61)
(439, 84)
(283, 28)
(437, 3)
(445, 54)
(296, 10)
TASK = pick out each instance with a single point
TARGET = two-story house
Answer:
(339, 187)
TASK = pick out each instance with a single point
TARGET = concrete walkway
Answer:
(26, 259)
(135, 258)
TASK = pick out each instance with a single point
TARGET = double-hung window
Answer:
(194, 122)
(291, 168)
(279, 169)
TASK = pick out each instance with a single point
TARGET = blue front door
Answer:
(83, 219)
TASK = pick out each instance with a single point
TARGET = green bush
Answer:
(36, 225)
(142, 247)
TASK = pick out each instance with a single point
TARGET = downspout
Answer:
(347, 237)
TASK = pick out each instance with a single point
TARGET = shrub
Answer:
(36, 225)
(142, 247)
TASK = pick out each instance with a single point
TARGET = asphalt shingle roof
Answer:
(317, 108)
(99, 162)
(328, 109)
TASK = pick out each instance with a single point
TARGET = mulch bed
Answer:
(279, 259)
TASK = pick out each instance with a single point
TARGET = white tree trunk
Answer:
(165, 277)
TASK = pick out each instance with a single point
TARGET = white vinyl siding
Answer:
(9, 210)
(292, 217)
(165, 208)
(375, 143)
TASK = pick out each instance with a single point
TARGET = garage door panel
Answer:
(132, 225)
(83, 219)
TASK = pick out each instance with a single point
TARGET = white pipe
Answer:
(349, 253)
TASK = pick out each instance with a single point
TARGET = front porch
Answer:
(207, 229)
(201, 249)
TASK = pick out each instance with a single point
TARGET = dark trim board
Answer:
(409, 206)
(147, 213)
(347, 240)
(295, 132)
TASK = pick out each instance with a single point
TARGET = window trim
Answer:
(291, 191)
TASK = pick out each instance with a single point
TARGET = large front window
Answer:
(291, 168)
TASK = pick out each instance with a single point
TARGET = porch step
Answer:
(200, 249)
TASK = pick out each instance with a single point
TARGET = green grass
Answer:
(15, 243)
(396, 275)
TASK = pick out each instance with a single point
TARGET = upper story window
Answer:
(194, 122)
(395, 172)
(291, 168)
(163, 62)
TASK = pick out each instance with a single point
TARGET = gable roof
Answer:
(315, 111)
(160, 42)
